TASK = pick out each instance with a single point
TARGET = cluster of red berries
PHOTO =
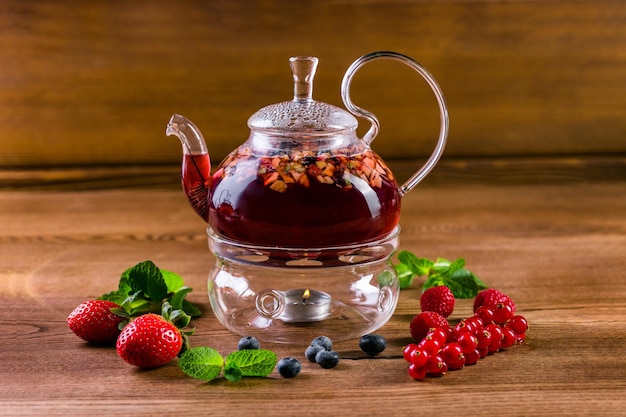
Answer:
(440, 347)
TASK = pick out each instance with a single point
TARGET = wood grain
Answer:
(84, 83)
(556, 249)
(448, 172)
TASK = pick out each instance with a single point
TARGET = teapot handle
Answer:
(373, 130)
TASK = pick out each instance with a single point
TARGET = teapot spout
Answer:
(196, 165)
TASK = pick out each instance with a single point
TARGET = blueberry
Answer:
(288, 367)
(372, 344)
(327, 358)
(248, 343)
(323, 341)
(311, 352)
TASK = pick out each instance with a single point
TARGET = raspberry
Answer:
(424, 322)
(438, 299)
(490, 298)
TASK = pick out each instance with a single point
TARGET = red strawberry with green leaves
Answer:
(438, 299)
(94, 322)
(153, 340)
(425, 322)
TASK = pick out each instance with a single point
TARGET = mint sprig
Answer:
(206, 363)
(462, 282)
(143, 288)
(201, 363)
(249, 362)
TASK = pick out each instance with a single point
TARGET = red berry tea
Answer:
(301, 199)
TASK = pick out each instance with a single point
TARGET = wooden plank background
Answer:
(94, 83)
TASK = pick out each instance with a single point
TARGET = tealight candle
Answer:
(295, 305)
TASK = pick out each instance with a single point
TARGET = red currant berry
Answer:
(472, 358)
(464, 326)
(431, 346)
(496, 337)
(521, 338)
(467, 341)
(451, 334)
(508, 338)
(485, 313)
(417, 372)
(436, 366)
(483, 351)
(502, 313)
(407, 351)
(452, 354)
(476, 323)
(440, 335)
(518, 324)
(484, 338)
(419, 357)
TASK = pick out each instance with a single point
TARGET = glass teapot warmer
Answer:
(303, 216)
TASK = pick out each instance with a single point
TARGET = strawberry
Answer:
(490, 298)
(426, 321)
(151, 340)
(94, 322)
(438, 299)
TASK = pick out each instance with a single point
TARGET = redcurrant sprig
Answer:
(449, 348)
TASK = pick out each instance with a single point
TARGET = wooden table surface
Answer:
(557, 249)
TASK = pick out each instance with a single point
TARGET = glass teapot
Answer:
(303, 216)
(303, 178)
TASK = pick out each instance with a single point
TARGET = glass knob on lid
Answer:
(303, 114)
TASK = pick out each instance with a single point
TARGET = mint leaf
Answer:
(173, 281)
(457, 265)
(433, 281)
(114, 296)
(419, 266)
(191, 309)
(440, 265)
(481, 285)
(405, 275)
(233, 373)
(146, 277)
(384, 278)
(176, 300)
(462, 284)
(201, 363)
(257, 362)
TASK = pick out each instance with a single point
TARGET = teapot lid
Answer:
(302, 114)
